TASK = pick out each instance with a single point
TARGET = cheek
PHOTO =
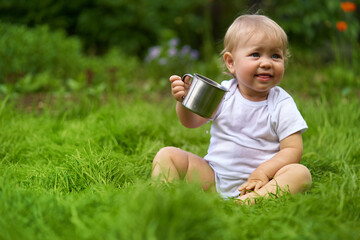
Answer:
(281, 71)
(245, 68)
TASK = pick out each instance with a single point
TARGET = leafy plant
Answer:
(101, 25)
(30, 51)
(38, 60)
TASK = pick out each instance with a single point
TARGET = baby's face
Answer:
(258, 65)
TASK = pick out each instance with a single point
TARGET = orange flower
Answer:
(348, 6)
(341, 26)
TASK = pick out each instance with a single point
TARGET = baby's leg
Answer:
(294, 178)
(172, 163)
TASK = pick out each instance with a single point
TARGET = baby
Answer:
(256, 142)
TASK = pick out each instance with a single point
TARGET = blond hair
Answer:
(246, 26)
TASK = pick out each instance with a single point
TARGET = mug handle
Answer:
(185, 75)
(183, 79)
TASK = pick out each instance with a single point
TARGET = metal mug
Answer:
(204, 95)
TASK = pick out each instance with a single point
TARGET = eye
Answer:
(256, 55)
(276, 56)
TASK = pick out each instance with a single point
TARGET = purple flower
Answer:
(174, 42)
(185, 50)
(154, 52)
(172, 52)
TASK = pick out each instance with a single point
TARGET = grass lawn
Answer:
(81, 170)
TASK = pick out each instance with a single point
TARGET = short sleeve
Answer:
(289, 119)
(286, 118)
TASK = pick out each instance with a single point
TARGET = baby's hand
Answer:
(179, 89)
(256, 181)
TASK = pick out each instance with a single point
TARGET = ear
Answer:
(229, 61)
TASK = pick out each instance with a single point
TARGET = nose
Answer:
(265, 62)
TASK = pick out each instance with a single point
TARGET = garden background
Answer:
(85, 105)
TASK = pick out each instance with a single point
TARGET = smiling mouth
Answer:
(264, 77)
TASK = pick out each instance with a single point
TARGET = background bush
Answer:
(41, 60)
(104, 46)
(132, 26)
(136, 26)
(31, 51)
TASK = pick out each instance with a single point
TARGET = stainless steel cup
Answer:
(204, 95)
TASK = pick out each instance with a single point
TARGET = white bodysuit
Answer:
(245, 134)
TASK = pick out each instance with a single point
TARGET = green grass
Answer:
(80, 169)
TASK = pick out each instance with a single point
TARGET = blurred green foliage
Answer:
(306, 22)
(101, 24)
(121, 46)
(136, 26)
(312, 25)
(25, 51)
(40, 60)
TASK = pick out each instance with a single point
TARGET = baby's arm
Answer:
(179, 89)
(291, 149)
